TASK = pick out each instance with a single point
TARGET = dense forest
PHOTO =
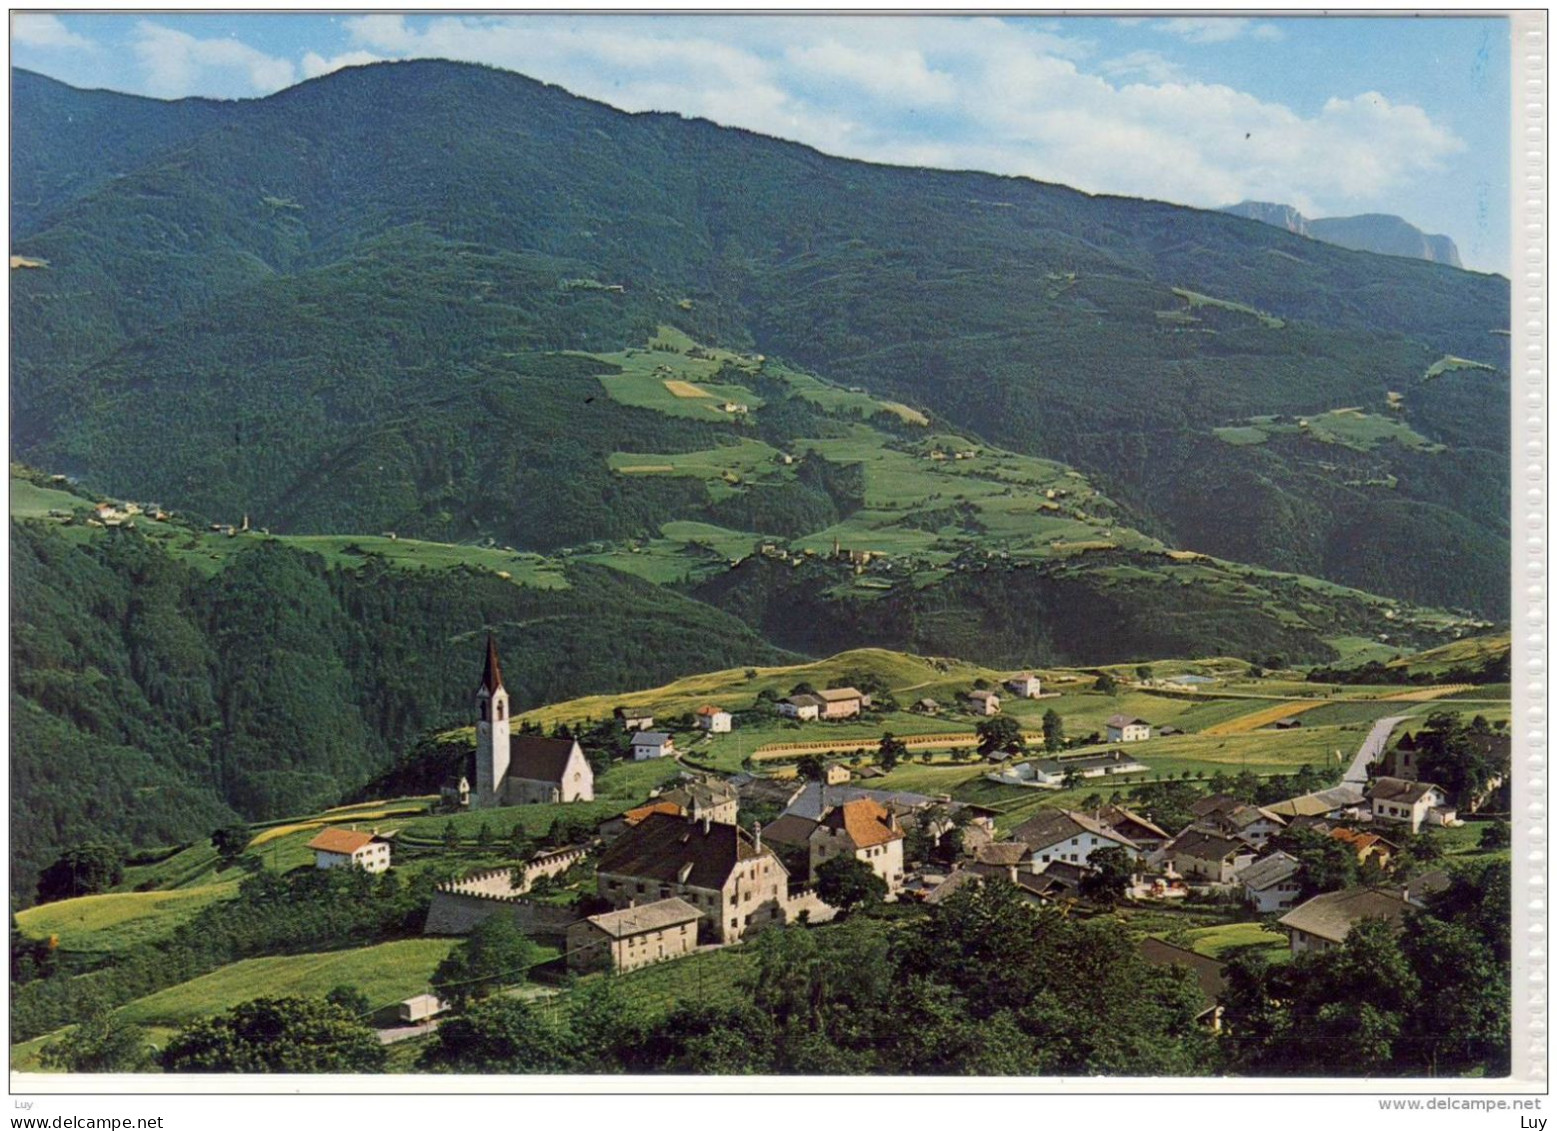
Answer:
(279, 684)
(252, 306)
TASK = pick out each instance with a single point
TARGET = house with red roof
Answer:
(348, 848)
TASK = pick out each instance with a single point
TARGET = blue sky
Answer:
(1334, 116)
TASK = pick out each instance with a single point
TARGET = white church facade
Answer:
(521, 769)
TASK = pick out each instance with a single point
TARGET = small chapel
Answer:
(521, 769)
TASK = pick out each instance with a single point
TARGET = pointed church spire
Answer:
(492, 677)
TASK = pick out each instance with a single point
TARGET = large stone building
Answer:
(634, 936)
(866, 830)
(735, 883)
(521, 769)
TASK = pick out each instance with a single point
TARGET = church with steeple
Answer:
(521, 769)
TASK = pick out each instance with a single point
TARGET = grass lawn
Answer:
(1223, 942)
(117, 921)
(387, 973)
(28, 500)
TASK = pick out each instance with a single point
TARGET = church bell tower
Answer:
(491, 732)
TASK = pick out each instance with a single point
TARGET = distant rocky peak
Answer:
(1380, 233)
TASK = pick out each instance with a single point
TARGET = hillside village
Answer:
(703, 862)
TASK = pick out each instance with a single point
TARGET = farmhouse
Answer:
(1203, 856)
(347, 848)
(1054, 771)
(803, 707)
(736, 883)
(1123, 728)
(836, 773)
(980, 702)
(1411, 803)
(927, 707)
(634, 718)
(1024, 686)
(624, 940)
(1130, 824)
(699, 797)
(1367, 846)
(1066, 835)
(1249, 823)
(866, 830)
(841, 702)
(715, 720)
(1325, 921)
(652, 744)
(522, 769)
(1271, 884)
(1342, 800)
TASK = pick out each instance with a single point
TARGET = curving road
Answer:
(1372, 749)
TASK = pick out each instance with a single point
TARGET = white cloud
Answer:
(176, 64)
(1217, 29)
(1152, 66)
(315, 64)
(891, 73)
(34, 29)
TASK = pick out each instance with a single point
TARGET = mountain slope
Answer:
(284, 251)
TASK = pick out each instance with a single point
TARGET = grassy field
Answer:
(28, 500)
(386, 973)
(1222, 942)
(116, 921)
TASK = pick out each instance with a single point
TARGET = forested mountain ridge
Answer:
(417, 261)
(150, 701)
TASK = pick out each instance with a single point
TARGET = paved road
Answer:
(1371, 750)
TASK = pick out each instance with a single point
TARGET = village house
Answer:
(866, 830)
(715, 720)
(1131, 825)
(454, 793)
(836, 773)
(1249, 823)
(736, 883)
(522, 769)
(1004, 858)
(804, 707)
(347, 848)
(1342, 801)
(927, 707)
(1054, 771)
(1069, 836)
(1206, 857)
(1325, 921)
(1411, 802)
(624, 940)
(615, 826)
(981, 702)
(789, 837)
(1024, 686)
(634, 718)
(841, 702)
(1271, 884)
(649, 744)
(1124, 728)
(1367, 846)
(1207, 971)
(701, 797)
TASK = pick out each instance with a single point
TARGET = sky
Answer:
(1336, 117)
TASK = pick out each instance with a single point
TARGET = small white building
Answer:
(982, 702)
(422, 1007)
(715, 720)
(1024, 686)
(1271, 883)
(347, 848)
(1064, 835)
(1411, 802)
(652, 744)
(1123, 728)
(806, 708)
